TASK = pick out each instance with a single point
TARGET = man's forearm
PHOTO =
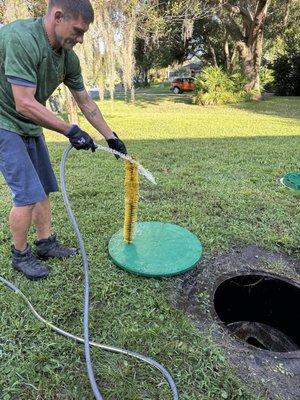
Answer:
(39, 114)
(92, 113)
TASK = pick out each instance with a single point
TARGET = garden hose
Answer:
(87, 343)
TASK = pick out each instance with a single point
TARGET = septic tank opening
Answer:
(261, 310)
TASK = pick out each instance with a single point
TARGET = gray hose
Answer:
(87, 343)
(90, 371)
(150, 361)
(112, 349)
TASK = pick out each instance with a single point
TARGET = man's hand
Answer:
(80, 139)
(117, 144)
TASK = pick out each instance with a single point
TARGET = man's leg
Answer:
(41, 219)
(22, 258)
(47, 244)
(19, 222)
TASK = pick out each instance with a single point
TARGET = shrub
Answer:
(215, 86)
(141, 84)
(287, 75)
(266, 79)
(239, 81)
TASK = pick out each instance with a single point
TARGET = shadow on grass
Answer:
(284, 107)
(143, 99)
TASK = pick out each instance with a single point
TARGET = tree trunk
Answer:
(233, 56)
(287, 13)
(226, 52)
(213, 53)
(72, 110)
(248, 36)
(101, 81)
(132, 94)
(125, 93)
(145, 76)
(2, 11)
(101, 89)
(251, 61)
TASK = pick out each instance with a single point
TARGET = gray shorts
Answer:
(26, 167)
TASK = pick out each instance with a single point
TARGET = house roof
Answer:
(193, 66)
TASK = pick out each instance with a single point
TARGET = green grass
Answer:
(218, 173)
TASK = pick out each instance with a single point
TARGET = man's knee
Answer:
(25, 209)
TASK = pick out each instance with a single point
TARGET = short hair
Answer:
(75, 9)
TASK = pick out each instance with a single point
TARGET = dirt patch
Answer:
(273, 374)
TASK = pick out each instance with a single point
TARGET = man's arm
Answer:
(27, 105)
(92, 113)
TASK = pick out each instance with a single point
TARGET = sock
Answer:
(21, 253)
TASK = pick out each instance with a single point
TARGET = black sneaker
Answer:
(28, 264)
(49, 248)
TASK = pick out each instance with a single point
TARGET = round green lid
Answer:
(159, 249)
(292, 180)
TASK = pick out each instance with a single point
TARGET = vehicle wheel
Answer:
(176, 90)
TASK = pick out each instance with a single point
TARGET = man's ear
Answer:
(58, 16)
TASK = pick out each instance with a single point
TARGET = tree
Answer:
(220, 30)
(282, 30)
(286, 62)
(2, 11)
(211, 43)
(113, 40)
(163, 34)
(36, 8)
(127, 28)
(14, 9)
(244, 22)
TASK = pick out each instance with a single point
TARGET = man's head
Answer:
(69, 20)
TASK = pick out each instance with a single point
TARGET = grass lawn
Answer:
(218, 173)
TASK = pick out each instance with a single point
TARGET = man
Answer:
(36, 55)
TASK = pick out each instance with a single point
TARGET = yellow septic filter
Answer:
(153, 248)
(131, 200)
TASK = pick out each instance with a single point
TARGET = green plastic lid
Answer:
(159, 249)
(292, 180)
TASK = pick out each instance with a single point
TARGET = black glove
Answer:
(80, 139)
(117, 144)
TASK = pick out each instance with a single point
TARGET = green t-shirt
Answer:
(26, 54)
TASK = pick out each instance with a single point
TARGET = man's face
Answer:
(69, 32)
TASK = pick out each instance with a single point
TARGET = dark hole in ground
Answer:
(254, 342)
(261, 310)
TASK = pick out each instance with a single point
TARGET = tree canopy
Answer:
(129, 37)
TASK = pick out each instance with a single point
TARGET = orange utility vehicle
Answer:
(180, 85)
